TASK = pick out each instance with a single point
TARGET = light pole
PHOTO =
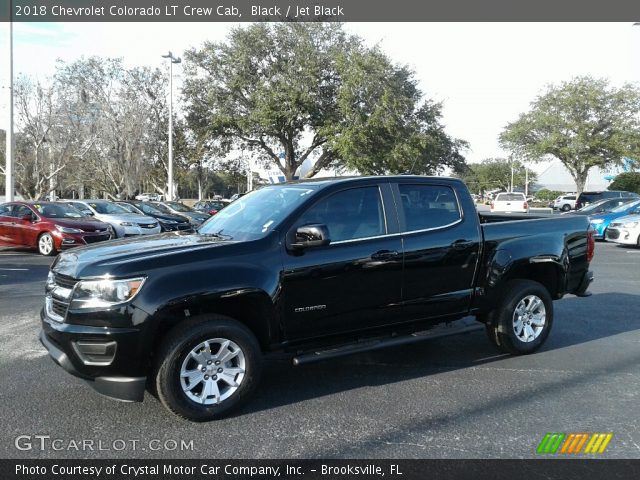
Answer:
(172, 60)
(8, 167)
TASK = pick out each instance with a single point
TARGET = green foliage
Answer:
(548, 195)
(584, 123)
(309, 90)
(629, 181)
(494, 173)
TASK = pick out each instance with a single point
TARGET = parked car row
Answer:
(574, 201)
(614, 219)
(51, 227)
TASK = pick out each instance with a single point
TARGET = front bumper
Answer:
(626, 236)
(107, 375)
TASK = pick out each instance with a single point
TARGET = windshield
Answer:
(149, 209)
(256, 214)
(107, 208)
(57, 210)
(178, 207)
(626, 206)
(129, 208)
(600, 205)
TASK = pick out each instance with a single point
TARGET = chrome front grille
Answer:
(147, 225)
(59, 296)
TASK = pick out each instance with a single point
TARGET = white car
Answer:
(565, 203)
(148, 197)
(511, 202)
(123, 222)
(625, 230)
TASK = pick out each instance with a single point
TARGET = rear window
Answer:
(510, 197)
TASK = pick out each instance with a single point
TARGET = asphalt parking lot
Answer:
(446, 398)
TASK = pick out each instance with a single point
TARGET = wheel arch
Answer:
(251, 307)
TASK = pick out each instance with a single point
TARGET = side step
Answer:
(444, 330)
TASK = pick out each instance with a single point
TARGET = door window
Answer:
(23, 211)
(349, 215)
(428, 206)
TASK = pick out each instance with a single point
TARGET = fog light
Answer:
(95, 352)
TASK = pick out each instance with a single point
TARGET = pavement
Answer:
(453, 397)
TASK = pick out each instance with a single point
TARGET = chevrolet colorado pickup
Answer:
(310, 269)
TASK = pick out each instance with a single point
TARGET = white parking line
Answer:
(16, 269)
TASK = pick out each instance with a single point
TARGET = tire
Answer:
(46, 245)
(508, 331)
(206, 393)
(566, 207)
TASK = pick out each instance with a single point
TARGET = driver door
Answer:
(354, 283)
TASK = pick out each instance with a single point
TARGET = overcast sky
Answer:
(484, 73)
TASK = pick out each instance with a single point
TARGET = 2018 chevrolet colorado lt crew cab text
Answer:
(311, 269)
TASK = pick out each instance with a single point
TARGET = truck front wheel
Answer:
(207, 366)
(522, 321)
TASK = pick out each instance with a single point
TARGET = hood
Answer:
(628, 219)
(170, 216)
(88, 224)
(131, 255)
(125, 217)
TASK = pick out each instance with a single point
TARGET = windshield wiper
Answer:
(217, 234)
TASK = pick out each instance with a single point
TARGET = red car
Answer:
(48, 226)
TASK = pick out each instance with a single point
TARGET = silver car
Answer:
(124, 223)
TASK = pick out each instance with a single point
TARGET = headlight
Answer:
(105, 292)
(51, 282)
(168, 222)
(126, 224)
(62, 229)
(630, 225)
(597, 221)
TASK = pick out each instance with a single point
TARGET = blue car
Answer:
(601, 222)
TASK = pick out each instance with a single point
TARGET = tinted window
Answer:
(570, 198)
(510, 197)
(107, 208)
(5, 210)
(22, 211)
(349, 215)
(428, 206)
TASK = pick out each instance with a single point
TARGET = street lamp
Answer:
(172, 60)
(8, 167)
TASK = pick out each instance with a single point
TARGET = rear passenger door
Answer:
(441, 242)
(7, 225)
(355, 282)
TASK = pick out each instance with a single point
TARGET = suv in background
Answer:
(586, 198)
(565, 203)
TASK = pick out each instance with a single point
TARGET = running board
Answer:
(445, 330)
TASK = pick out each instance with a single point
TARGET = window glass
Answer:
(510, 197)
(22, 211)
(349, 215)
(57, 210)
(5, 210)
(428, 206)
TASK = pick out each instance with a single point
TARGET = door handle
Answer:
(384, 255)
(461, 244)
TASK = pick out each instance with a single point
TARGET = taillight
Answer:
(213, 212)
(591, 245)
(525, 206)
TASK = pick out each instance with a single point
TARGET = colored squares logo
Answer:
(574, 443)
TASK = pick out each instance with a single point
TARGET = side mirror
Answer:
(311, 236)
(88, 212)
(27, 218)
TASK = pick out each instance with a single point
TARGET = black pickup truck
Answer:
(309, 269)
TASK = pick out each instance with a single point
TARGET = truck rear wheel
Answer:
(522, 321)
(207, 366)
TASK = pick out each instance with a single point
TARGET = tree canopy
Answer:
(584, 123)
(495, 173)
(629, 181)
(297, 91)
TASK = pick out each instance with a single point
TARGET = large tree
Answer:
(297, 91)
(584, 123)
